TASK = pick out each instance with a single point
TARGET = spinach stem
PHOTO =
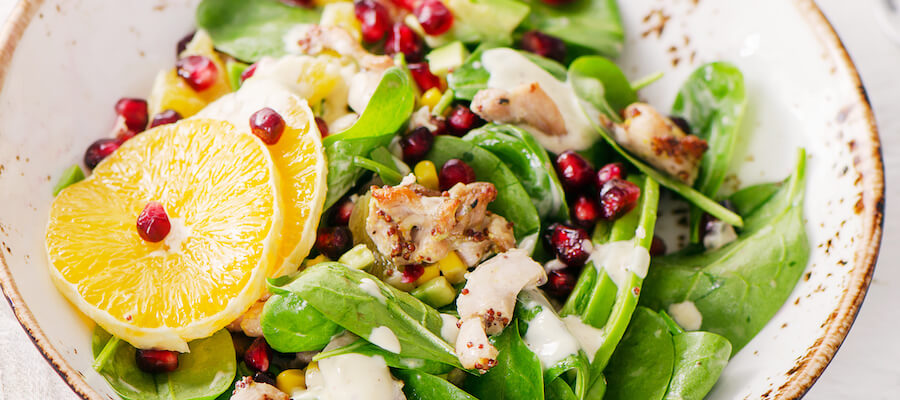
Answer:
(108, 350)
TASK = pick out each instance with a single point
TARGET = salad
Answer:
(419, 199)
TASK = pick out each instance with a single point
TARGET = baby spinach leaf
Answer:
(642, 365)
(517, 375)
(203, 374)
(422, 386)
(589, 24)
(558, 389)
(700, 358)
(712, 100)
(290, 324)
(251, 29)
(740, 286)
(602, 83)
(387, 111)
(70, 176)
(749, 199)
(512, 201)
(391, 359)
(335, 290)
(528, 161)
(388, 175)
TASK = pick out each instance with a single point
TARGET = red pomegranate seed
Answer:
(462, 120)
(585, 211)
(411, 273)
(199, 72)
(341, 213)
(121, 131)
(544, 45)
(299, 3)
(407, 5)
(434, 17)
(455, 171)
(99, 150)
(134, 111)
(423, 76)
(569, 244)
(268, 125)
(257, 355)
(248, 72)
(153, 223)
(618, 197)
(322, 126)
(560, 282)
(183, 42)
(334, 241)
(657, 247)
(557, 2)
(416, 145)
(574, 171)
(374, 19)
(402, 39)
(156, 361)
(610, 172)
(165, 117)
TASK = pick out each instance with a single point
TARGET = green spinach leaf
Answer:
(602, 83)
(740, 286)
(393, 360)
(203, 374)
(517, 375)
(589, 24)
(700, 358)
(642, 365)
(422, 386)
(70, 176)
(290, 324)
(251, 29)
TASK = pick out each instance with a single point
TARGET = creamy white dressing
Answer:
(589, 338)
(237, 107)
(619, 259)
(508, 69)
(449, 328)
(719, 235)
(371, 288)
(686, 315)
(362, 87)
(547, 335)
(350, 377)
(385, 338)
(554, 265)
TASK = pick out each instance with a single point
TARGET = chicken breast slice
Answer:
(248, 389)
(316, 39)
(526, 104)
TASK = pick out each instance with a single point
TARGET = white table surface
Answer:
(867, 365)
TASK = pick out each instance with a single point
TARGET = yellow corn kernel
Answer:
(430, 98)
(430, 272)
(426, 174)
(317, 260)
(342, 15)
(453, 268)
(290, 380)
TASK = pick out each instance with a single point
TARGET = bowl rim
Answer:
(802, 376)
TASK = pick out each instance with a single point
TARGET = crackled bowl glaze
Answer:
(64, 63)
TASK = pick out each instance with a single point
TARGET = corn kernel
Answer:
(453, 268)
(430, 272)
(426, 174)
(430, 98)
(317, 260)
(341, 14)
(291, 380)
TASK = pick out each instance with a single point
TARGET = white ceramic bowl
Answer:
(63, 64)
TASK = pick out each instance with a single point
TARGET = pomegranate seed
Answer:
(569, 244)
(341, 213)
(135, 113)
(423, 76)
(411, 273)
(416, 145)
(165, 117)
(374, 19)
(407, 5)
(681, 123)
(585, 211)
(560, 282)
(199, 72)
(99, 150)
(153, 223)
(544, 45)
(610, 172)
(402, 39)
(121, 130)
(322, 126)
(434, 17)
(461, 120)
(257, 355)
(156, 361)
(574, 171)
(247, 73)
(334, 241)
(298, 3)
(618, 197)
(557, 2)
(440, 126)
(267, 125)
(183, 42)
(264, 377)
(455, 171)
(657, 247)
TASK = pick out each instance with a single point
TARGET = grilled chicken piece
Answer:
(249, 321)
(320, 38)
(411, 224)
(526, 104)
(247, 389)
(487, 302)
(658, 141)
